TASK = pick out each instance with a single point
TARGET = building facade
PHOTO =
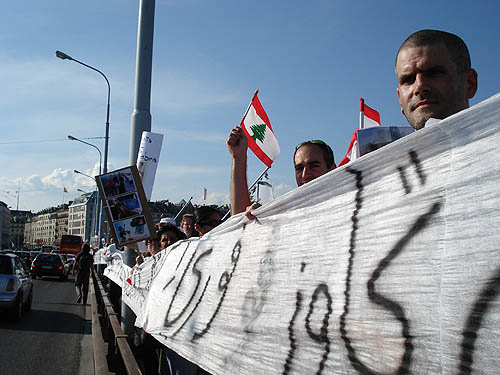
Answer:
(46, 227)
(82, 216)
(17, 224)
(5, 226)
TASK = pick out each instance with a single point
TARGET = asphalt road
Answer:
(47, 340)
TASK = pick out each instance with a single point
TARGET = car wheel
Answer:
(17, 310)
(29, 302)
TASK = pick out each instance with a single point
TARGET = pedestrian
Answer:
(81, 268)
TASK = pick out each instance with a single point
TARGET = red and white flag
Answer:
(368, 117)
(257, 128)
(65, 190)
(204, 194)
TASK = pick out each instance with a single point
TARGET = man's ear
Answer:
(470, 84)
(399, 100)
(197, 228)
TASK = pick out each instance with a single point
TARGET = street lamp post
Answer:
(99, 226)
(64, 56)
(95, 202)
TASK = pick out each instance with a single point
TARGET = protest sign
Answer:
(387, 265)
(147, 160)
(125, 205)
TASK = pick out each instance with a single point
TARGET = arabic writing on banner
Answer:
(387, 265)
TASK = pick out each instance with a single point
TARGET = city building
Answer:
(19, 219)
(5, 232)
(82, 216)
(46, 227)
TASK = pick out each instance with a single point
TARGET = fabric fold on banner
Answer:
(260, 134)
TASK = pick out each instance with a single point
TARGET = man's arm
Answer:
(237, 144)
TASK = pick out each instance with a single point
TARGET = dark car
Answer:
(16, 286)
(49, 265)
(26, 258)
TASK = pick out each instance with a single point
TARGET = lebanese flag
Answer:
(260, 135)
(368, 118)
(65, 190)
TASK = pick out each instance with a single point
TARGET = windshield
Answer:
(5, 265)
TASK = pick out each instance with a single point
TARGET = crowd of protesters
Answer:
(435, 80)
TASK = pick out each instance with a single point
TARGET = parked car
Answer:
(16, 286)
(49, 265)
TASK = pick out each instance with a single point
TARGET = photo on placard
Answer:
(131, 230)
(124, 206)
(117, 183)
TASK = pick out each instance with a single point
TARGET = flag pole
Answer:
(250, 104)
(361, 113)
(259, 178)
(185, 204)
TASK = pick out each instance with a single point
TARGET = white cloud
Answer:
(215, 197)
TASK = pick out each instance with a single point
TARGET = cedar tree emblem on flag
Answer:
(258, 130)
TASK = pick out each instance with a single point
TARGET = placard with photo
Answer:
(125, 205)
(117, 182)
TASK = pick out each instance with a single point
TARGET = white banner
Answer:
(148, 159)
(388, 265)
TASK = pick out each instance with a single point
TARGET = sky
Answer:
(310, 60)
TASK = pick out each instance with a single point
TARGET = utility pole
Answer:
(141, 117)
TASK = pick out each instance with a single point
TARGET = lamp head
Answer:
(71, 138)
(63, 56)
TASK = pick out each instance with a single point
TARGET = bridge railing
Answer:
(112, 352)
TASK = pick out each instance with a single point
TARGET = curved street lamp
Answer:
(71, 138)
(64, 56)
(83, 174)
(99, 204)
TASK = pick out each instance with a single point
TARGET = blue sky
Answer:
(312, 61)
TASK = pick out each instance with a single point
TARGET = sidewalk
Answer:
(86, 347)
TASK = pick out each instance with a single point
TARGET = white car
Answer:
(16, 286)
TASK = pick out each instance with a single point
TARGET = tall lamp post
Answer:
(64, 56)
(71, 138)
(95, 200)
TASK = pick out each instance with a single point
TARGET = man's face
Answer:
(187, 226)
(429, 84)
(309, 164)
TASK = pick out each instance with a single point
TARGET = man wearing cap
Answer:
(435, 78)
(311, 160)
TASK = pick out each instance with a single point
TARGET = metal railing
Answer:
(112, 353)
